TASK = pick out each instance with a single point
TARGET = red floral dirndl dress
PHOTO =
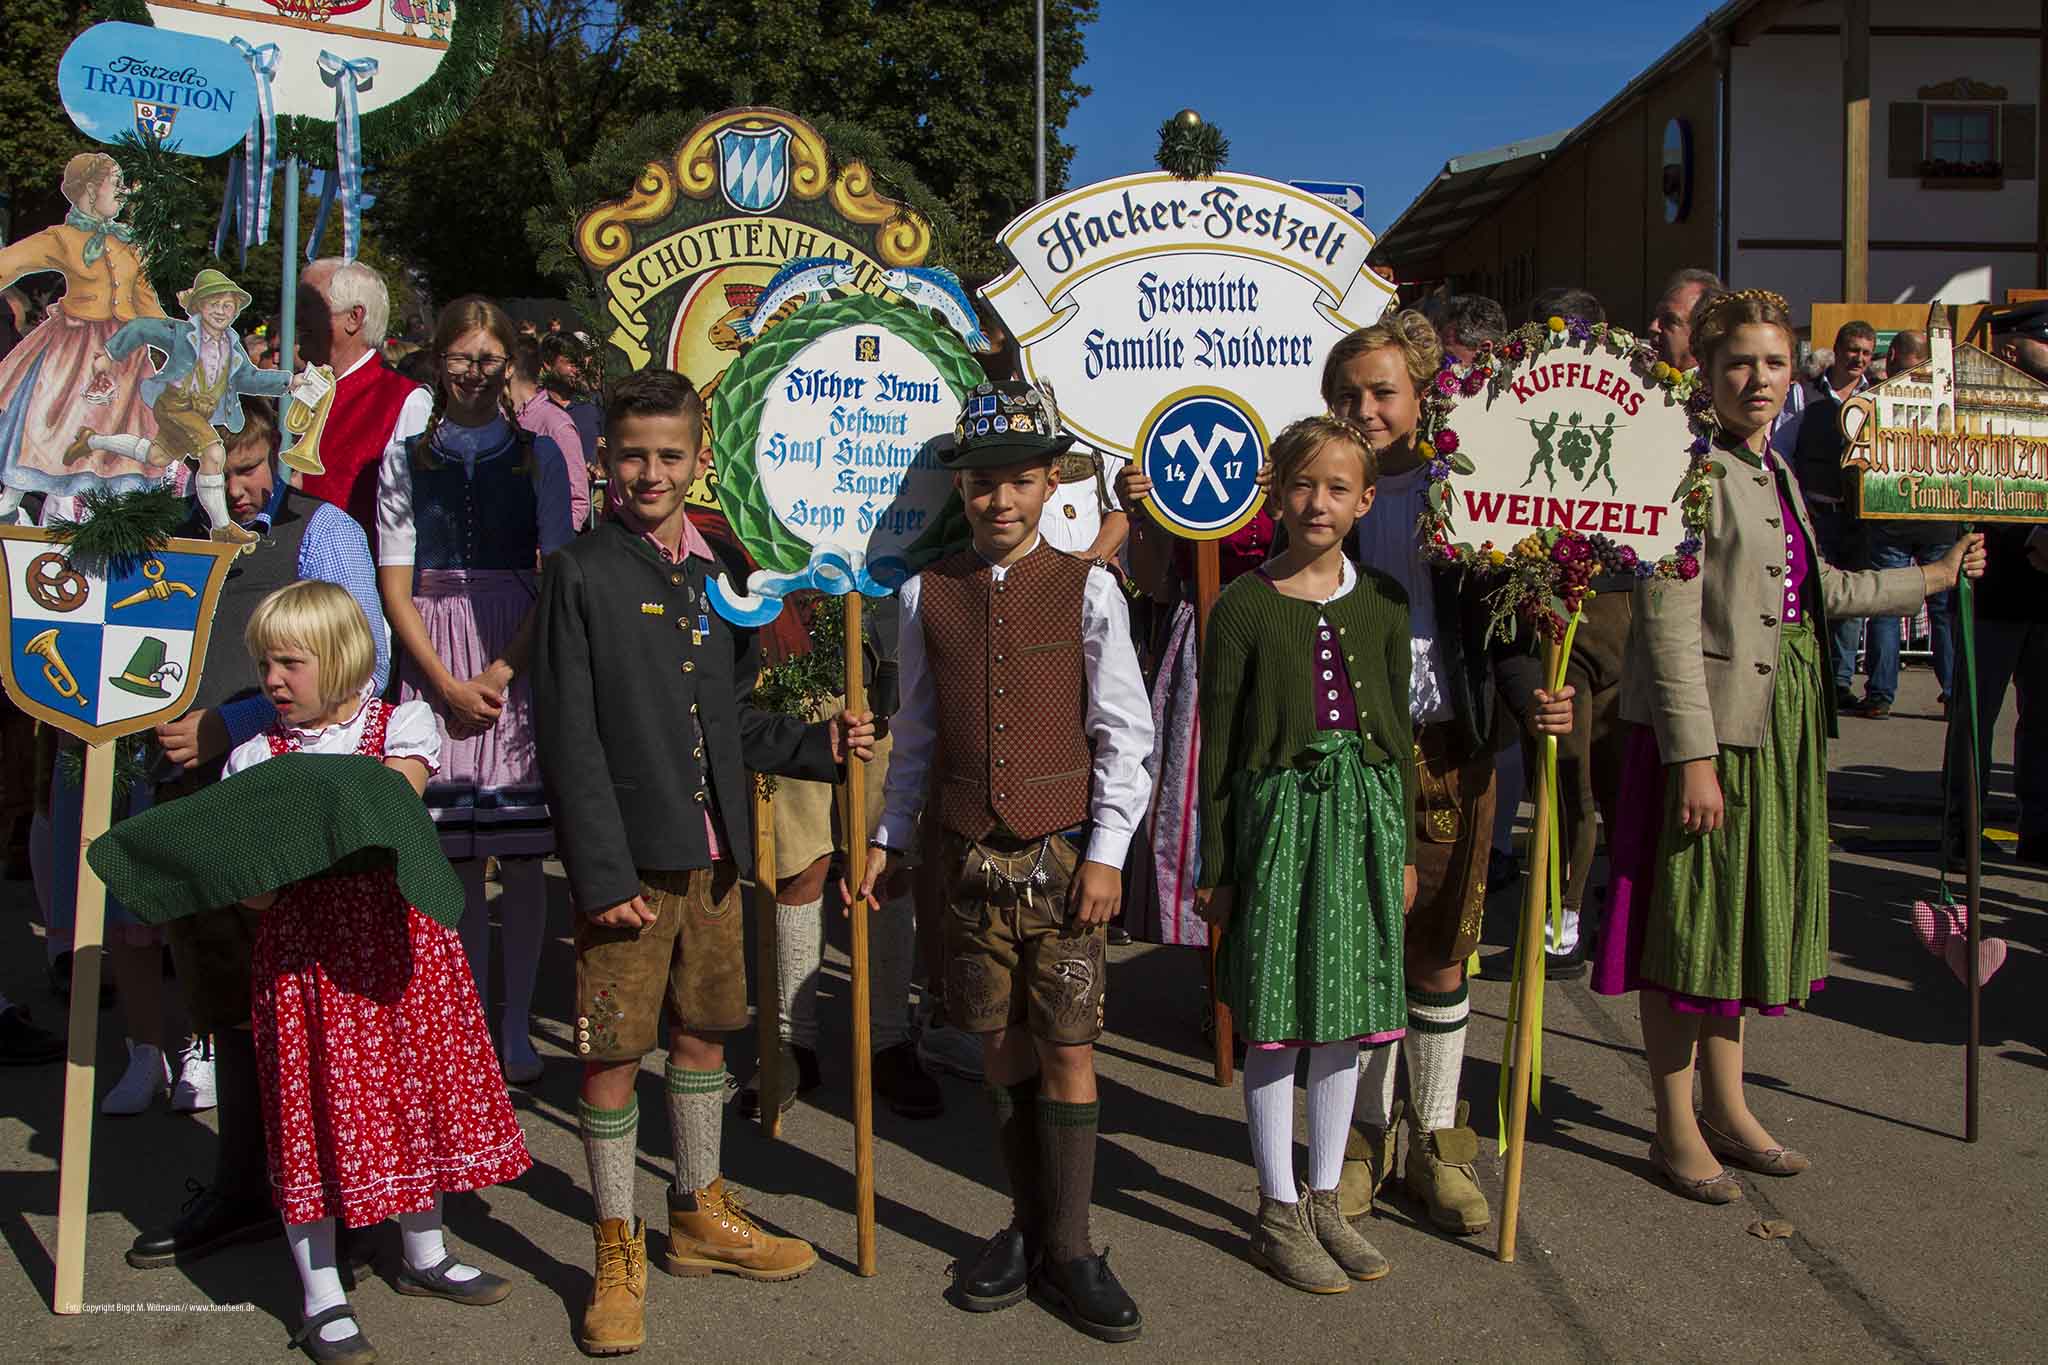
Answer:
(380, 1086)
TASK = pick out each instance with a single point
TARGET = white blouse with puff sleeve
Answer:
(413, 731)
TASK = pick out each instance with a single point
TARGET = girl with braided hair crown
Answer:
(465, 511)
(1720, 894)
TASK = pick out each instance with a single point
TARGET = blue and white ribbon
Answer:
(832, 570)
(259, 144)
(348, 76)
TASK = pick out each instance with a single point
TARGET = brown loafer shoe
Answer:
(1762, 1160)
(1718, 1188)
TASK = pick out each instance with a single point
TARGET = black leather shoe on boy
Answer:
(998, 1275)
(902, 1082)
(1087, 1294)
(207, 1223)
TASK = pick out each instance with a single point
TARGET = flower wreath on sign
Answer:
(1544, 578)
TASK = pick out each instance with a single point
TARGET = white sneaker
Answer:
(193, 1090)
(146, 1078)
(948, 1049)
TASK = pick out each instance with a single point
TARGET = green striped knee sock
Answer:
(696, 1110)
(1066, 1154)
(1435, 1046)
(611, 1139)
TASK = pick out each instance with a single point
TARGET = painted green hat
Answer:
(145, 673)
(210, 284)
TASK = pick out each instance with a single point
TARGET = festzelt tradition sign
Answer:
(1963, 436)
(1134, 294)
(121, 81)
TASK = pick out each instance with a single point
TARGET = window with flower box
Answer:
(1961, 134)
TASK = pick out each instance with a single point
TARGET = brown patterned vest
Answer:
(1012, 693)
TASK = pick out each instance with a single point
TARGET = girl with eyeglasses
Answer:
(465, 512)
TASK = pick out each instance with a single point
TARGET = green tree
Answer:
(943, 85)
(36, 138)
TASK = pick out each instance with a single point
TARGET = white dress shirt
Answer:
(1118, 719)
(1072, 518)
(1387, 541)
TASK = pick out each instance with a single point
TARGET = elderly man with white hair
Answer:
(343, 309)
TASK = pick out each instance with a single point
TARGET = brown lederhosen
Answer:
(1453, 833)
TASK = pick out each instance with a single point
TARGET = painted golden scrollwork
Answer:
(604, 237)
(903, 237)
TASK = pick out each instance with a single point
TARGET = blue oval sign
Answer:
(1202, 449)
(195, 94)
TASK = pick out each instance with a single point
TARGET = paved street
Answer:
(1908, 1243)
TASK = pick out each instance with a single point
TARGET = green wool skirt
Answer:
(1312, 953)
(1741, 914)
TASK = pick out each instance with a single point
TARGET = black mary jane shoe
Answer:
(998, 1276)
(1085, 1292)
(355, 1350)
(479, 1291)
(207, 1223)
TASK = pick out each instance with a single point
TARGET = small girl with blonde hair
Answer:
(380, 1087)
(1307, 784)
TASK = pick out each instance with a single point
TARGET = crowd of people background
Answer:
(497, 589)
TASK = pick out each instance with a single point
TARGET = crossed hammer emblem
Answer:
(1181, 441)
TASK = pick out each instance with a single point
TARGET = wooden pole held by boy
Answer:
(74, 1167)
(1528, 982)
(1208, 583)
(767, 1026)
(857, 916)
(1973, 837)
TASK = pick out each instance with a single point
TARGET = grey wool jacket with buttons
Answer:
(641, 727)
(1703, 658)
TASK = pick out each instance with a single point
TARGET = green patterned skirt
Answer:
(1741, 914)
(1312, 953)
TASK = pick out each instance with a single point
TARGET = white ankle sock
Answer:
(799, 956)
(425, 1247)
(1436, 1053)
(523, 929)
(138, 448)
(1375, 1101)
(1332, 1088)
(312, 1248)
(213, 496)
(892, 946)
(1269, 1113)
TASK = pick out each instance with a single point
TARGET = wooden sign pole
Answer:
(1973, 835)
(1208, 580)
(74, 1167)
(767, 966)
(857, 914)
(1528, 984)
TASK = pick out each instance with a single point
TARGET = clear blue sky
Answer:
(1380, 94)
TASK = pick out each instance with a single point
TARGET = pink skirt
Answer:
(380, 1086)
(487, 798)
(43, 382)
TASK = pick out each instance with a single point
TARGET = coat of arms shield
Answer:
(753, 167)
(104, 655)
(154, 120)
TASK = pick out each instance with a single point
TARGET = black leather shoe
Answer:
(998, 1275)
(24, 1043)
(205, 1225)
(1566, 966)
(1087, 1294)
(901, 1081)
(806, 1076)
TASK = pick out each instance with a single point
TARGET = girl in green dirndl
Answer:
(1307, 797)
(1719, 900)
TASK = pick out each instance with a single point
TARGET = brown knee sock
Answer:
(1066, 1138)
(1016, 1111)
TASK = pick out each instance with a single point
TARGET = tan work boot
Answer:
(1441, 1173)
(1368, 1161)
(1286, 1245)
(709, 1231)
(1355, 1256)
(615, 1319)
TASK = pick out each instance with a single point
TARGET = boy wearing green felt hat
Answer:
(200, 385)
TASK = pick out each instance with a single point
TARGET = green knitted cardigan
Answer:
(286, 819)
(1258, 694)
